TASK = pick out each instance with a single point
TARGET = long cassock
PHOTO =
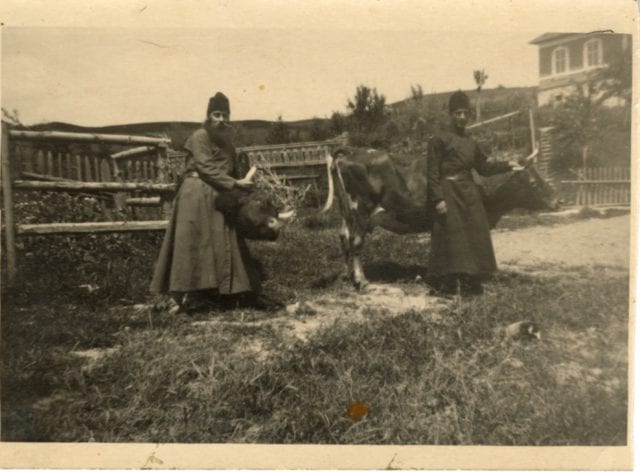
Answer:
(460, 239)
(199, 251)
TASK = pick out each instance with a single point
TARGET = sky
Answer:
(270, 57)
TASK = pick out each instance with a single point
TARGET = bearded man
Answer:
(203, 262)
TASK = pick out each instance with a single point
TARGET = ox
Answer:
(253, 214)
(372, 191)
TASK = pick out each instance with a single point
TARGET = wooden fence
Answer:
(123, 173)
(601, 186)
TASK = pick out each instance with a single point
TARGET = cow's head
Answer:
(524, 188)
(252, 214)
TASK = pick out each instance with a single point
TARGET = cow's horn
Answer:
(532, 156)
(251, 173)
(329, 203)
(286, 215)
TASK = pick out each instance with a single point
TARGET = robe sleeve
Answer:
(484, 167)
(210, 161)
(434, 160)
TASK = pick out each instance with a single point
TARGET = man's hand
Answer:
(245, 184)
(441, 207)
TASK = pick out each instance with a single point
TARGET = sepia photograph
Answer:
(363, 223)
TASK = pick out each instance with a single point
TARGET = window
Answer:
(560, 60)
(593, 53)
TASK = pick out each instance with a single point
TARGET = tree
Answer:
(416, 92)
(240, 136)
(279, 132)
(12, 118)
(319, 130)
(577, 125)
(615, 80)
(480, 78)
(338, 123)
(367, 108)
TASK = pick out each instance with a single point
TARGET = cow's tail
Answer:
(329, 202)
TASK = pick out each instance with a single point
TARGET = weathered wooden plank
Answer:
(40, 165)
(92, 227)
(316, 162)
(152, 170)
(43, 177)
(68, 166)
(25, 158)
(278, 147)
(138, 170)
(88, 172)
(79, 173)
(595, 182)
(73, 186)
(133, 152)
(144, 201)
(299, 176)
(49, 163)
(90, 137)
(97, 170)
(160, 175)
(60, 164)
(7, 196)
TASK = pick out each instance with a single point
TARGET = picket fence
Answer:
(132, 176)
(601, 186)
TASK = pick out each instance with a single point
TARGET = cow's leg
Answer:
(345, 244)
(357, 243)
(354, 227)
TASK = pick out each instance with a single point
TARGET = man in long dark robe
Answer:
(461, 249)
(202, 258)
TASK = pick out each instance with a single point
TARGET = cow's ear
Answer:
(228, 203)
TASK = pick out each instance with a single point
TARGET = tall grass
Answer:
(453, 381)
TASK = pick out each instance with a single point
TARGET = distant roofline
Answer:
(543, 38)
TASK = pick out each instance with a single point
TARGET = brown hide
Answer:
(372, 179)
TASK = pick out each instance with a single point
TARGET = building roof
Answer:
(543, 38)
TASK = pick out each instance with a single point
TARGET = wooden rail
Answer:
(91, 227)
(88, 137)
(73, 186)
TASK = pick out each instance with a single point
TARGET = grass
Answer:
(452, 381)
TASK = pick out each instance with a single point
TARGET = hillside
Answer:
(495, 101)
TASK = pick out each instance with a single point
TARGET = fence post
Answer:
(532, 128)
(7, 196)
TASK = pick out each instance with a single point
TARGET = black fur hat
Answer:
(458, 100)
(219, 102)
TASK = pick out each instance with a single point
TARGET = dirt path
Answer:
(593, 242)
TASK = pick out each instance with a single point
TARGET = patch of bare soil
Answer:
(549, 250)
(301, 319)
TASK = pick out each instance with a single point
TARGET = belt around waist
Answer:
(460, 176)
